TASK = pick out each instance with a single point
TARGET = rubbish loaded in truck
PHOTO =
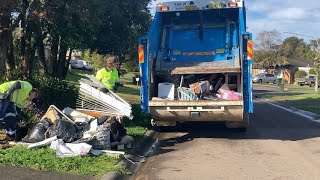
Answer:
(196, 64)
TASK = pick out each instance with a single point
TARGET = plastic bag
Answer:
(101, 139)
(36, 134)
(70, 149)
(230, 95)
(116, 129)
(66, 130)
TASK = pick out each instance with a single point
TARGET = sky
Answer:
(294, 16)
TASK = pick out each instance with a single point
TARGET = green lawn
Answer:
(131, 93)
(75, 75)
(45, 158)
(302, 97)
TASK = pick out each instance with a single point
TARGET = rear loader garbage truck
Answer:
(196, 63)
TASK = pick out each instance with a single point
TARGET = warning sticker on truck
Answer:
(198, 53)
(220, 51)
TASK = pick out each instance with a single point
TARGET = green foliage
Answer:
(46, 160)
(271, 50)
(98, 61)
(56, 92)
(74, 75)
(300, 74)
(131, 66)
(312, 71)
(269, 58)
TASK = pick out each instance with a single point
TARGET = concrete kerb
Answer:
(307, 114)
(136, 156)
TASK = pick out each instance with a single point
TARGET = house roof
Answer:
(291, 63)
(299, 63)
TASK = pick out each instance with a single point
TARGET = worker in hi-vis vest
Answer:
(15, 95)
(109, 75)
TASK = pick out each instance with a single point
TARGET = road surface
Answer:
(277, 145)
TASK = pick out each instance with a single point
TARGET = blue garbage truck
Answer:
(196, 63)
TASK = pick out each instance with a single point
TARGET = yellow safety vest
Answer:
(108, 78)
(19, 96)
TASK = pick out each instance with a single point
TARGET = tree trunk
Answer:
(43, 67)
(62, 61)
(10, 64)
(5, 34)
(23, 57)
(31, 52)
(53, 59)
(65, 72)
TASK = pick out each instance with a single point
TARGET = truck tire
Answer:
(240, 126)
(260, 81)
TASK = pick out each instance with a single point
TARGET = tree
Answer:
(300, 74)
(118, 25)
(7, 25)
(289, 46)
(268, 52)
(110, 27)
(312, 71)
(267, 40)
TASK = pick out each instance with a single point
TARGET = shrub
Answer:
(300, 74)
(131, 66)
(312, 71)
(56, 92)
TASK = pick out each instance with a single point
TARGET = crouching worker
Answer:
(15, 95)
(109, 75)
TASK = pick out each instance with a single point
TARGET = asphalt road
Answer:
(277, 145)
(19, 173)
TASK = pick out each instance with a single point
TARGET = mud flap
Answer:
(241, 125)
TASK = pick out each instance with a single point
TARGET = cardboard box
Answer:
(195, 87)
(200, 87)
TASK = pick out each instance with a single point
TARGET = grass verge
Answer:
(301, 97)
(45, 159)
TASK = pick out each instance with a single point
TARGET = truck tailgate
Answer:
(202, 110)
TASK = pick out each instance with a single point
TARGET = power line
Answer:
(301, 35)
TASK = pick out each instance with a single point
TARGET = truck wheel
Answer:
(260, 81)
(240, 126)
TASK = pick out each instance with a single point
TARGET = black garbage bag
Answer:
(66, 130)
(102, 119)
(37, 133)
(117, 131)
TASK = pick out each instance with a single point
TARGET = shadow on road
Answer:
(196, 130)
(267, 123)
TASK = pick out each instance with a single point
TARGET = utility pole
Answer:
(317, 79)
(317, 65)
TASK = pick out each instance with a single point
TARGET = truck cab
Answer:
(196, 64)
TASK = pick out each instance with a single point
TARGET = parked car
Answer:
(310, 79)
(80, 64)
(265, 78)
